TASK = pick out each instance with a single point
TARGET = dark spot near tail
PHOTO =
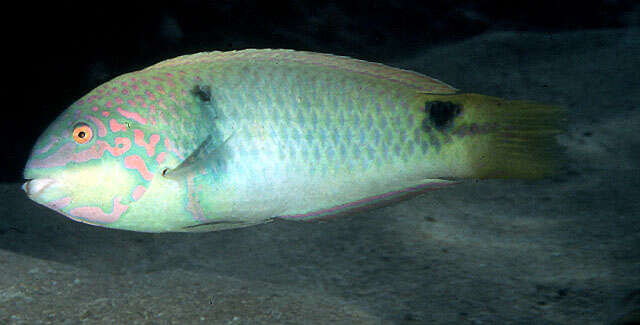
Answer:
(202, 92)
(441, 114)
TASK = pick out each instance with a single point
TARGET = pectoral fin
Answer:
(205, 155)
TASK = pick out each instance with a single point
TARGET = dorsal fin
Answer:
(418, 81)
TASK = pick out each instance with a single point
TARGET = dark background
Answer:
(57, 52)
(555, 251)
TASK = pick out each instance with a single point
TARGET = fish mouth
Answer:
(35, 187)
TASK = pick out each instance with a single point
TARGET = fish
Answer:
(229, 139)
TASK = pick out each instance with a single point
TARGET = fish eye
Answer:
(82, 133)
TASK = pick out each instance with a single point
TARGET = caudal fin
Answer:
(505, 138)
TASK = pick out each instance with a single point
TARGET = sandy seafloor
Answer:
(557, 251)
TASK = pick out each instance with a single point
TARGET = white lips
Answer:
(35, 186)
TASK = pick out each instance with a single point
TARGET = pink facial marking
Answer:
(160, 157)
(46, 148)
(58, 158)
(105, 113)
(168, 74)
(59, 204)
(136, 162)
(156, 78)
(131, 103)
(139, 99)
(169, 145)
(122, 145)
(94, 108)
(135, 87)
(138, 192)
(85, 155)
(119, 101)
(160, 90)
(66, 154)
(97, 151)
(96, 214)
(132, 115)
(102, 130)
(138, 139)
(114, 89)
(144, 82)
(80, 102)
(150, 95)
(115, 126)
(109, 104)
(124, 84)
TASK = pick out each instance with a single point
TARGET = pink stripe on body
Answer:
(96, 214)
(138, 192)
(116, 127)
(132, 115)
(65, 154)
(160, 157)
(151, 146)
(136, 162)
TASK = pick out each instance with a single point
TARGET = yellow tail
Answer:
(500, 138)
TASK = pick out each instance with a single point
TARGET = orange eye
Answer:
(82, 134)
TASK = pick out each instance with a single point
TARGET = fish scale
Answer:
(222, 140)
(284, 107)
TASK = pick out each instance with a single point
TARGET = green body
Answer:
(242, 137)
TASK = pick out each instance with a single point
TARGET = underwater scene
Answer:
(322, 162)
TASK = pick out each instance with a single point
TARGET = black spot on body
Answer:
(202, 92)
(204, 99)
(441, 114)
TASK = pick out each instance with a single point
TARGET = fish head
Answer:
(92, 164)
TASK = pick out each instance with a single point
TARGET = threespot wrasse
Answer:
(224, 140)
